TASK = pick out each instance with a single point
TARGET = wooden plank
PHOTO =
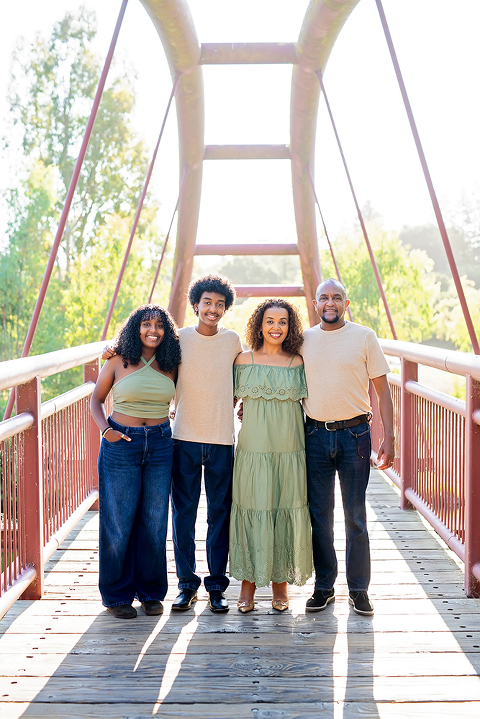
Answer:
(237, 690)
(261, 621)
(48, 607)
(211, 666)
(298, 710)
(269, 643)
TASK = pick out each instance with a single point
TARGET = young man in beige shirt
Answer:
(340, 358)
(203, 434)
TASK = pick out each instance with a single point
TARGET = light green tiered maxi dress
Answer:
(270, 531)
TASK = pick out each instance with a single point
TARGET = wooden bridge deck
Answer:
(419, 656)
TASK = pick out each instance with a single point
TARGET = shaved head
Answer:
(331, 281)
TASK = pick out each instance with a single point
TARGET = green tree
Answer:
(407, 279)
(450, 320)
(22, 262)
(53, 85)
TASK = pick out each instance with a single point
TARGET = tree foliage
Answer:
(53, 85)
(54, 81)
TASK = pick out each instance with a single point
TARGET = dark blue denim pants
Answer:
(346, 451)
(188, 460)
(135, 482)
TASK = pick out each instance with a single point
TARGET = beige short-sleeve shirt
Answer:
(338, 367)
(204, 392)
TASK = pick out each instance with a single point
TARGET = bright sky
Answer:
(438, 49)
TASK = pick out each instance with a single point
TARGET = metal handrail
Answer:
(23, 370)
(461, 363)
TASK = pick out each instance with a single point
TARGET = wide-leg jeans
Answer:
(346, 451)
(135, 483)
(217, 461)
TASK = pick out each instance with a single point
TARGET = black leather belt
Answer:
(340, 424)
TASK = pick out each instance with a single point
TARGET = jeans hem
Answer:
(188, 585)
(117, 604)
(216, 588)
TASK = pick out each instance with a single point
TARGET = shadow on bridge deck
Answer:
(418, 656)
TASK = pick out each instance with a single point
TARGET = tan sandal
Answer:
(245, 607)
(280, 604)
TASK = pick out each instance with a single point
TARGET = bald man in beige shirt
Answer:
(340, 359)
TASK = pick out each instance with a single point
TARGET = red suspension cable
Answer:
(69, 198)
(359, 213)
(137, 215)
(428, 179)
(337, 269)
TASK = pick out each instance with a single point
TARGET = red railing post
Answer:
(472, 489)
(407, 432)
(29, 400)
(90, 374)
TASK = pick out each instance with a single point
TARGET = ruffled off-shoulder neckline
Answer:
(270, 382)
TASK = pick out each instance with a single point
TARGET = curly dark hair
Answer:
(211, 283)
(294, 338)
(129, 346)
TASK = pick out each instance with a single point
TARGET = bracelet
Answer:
(105, 431)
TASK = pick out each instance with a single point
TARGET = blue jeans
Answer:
(188, 460)
(346, 451)
(135, 482)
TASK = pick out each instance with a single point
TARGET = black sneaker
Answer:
(361, 603)
(319, 600)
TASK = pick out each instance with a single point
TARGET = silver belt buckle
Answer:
(331, 422)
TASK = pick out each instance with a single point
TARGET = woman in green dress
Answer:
(270, 531)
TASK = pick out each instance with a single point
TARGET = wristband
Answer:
(105, 431)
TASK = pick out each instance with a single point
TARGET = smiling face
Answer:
(152, 332)
(210, 311)
(275, 325)
(331, 304)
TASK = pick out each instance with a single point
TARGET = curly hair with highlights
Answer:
(129, 345)
(294, 339)
(211, 283)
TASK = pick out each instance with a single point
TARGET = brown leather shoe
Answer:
(152, 607)
(123, 611)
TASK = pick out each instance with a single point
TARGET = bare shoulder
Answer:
(244, 358)
(297, 361)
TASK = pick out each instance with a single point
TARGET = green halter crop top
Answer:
(144, 393)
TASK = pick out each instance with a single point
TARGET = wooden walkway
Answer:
(419, 656)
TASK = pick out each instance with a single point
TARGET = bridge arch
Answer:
(173, 21)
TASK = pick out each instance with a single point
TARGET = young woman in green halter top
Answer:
(270, 531)
(135, 461)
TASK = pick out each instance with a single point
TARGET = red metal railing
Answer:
(438, 442)
(48, 467)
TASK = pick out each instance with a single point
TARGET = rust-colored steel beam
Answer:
(68, 202)
(247, 152)
(322, 24)
(269, 291)
(428, 179)
(246, 249)
(248, 53)
(472, 490)
(31, 482)
(174, 24)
